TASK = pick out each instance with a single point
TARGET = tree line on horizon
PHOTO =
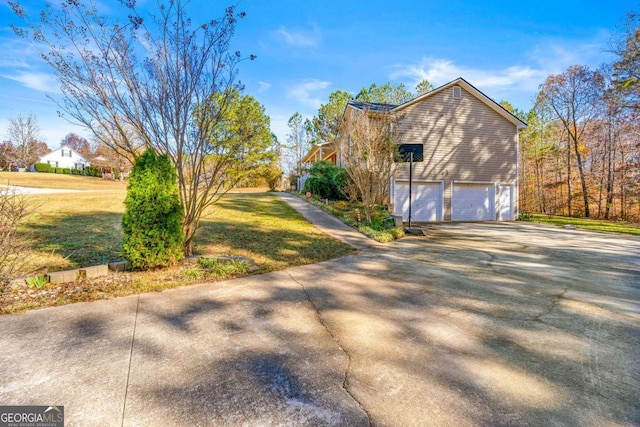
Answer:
(580, 153)
(24, 146)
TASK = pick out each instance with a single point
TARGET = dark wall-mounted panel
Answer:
(405, 149)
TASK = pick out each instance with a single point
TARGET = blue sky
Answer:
(307, 49)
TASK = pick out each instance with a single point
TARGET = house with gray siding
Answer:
(466, 156)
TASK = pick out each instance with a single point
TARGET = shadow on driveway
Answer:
(474, 324)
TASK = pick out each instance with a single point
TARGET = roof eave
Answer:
(470, 88)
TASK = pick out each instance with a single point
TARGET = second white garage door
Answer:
(473, 202)
(426, 201)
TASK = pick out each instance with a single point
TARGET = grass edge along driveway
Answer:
(256, 225)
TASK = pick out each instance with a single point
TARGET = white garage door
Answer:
(473, 202)
(426, 201)
(505, 203)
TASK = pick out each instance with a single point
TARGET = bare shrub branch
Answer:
(14, 208)
(368, 148)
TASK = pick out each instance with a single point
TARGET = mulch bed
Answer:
(19, 294)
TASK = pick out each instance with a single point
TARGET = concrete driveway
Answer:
(474, 324)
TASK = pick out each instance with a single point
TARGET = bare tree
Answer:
(78, 143)
(575, 97)
(139, 83)
(122, 150)
(24, 136)
(368, 148)
(7, 154)
(297, 142)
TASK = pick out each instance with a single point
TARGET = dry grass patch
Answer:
(262, 227)
(59, 181)
(71, 230)
(75, 230)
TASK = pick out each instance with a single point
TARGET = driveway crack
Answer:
(345, 381)
(555, 300)
(133, 337)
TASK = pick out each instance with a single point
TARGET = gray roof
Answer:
(371, 106)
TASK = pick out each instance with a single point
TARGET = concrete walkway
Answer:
(328, 223)
(477, 324)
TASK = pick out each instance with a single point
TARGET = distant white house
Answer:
(65, 157)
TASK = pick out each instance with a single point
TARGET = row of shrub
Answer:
(47, 168)
(91, 171)
(327, 181)
(88, 171)
(44, 167)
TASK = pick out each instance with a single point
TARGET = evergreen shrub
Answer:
(152, 222)
(327, 181)
(42, 167)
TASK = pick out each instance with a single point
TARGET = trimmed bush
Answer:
(318, 186)
(42, 167)
(91, 171)
(66, 171)
(152, 222)
(58, 170)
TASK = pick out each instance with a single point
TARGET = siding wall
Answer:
(64, 162)
(464, 140)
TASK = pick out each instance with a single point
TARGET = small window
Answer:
(457, 92)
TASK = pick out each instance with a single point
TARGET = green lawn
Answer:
(75, 230)
(261, 226)
(588, 224)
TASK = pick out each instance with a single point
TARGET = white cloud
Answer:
(441, 71)
(41, 82)
(517, 82)
(13, 62)
(18, 53)
(263, 86)
(303, 92)
(554, 57)
(299, 37)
